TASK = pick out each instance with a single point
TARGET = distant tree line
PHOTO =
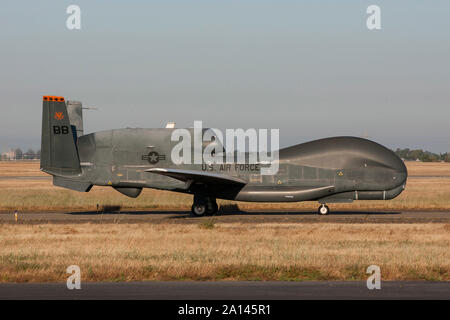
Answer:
(419, 154)
(19, 154)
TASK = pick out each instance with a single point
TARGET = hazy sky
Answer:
(310, 68)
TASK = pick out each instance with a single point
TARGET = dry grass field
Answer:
(132, 252)
(428, 188)
(441, 169)
(20, 168)
(209, 250)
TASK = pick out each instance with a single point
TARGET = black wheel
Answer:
(323, 210)
(212, 208)
(199, 209)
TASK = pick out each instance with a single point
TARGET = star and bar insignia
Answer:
(153, 157)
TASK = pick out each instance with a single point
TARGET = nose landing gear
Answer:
(323, 210)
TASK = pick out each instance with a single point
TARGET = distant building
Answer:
(9, 155)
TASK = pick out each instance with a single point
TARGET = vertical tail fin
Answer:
(75, 110)
(59, 154)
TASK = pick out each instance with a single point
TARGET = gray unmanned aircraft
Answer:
(331, 170)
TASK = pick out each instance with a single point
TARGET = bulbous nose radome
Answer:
(400, 172)
(389, 171)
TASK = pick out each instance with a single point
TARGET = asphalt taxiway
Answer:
(242, 290)
(276, 216)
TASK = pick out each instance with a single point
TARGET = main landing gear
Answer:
(204, 206)
(323, 209)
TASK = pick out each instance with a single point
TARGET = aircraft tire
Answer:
(323, 210)
(212, 208)
(199, 209)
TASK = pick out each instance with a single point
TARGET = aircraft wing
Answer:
(199, 176)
